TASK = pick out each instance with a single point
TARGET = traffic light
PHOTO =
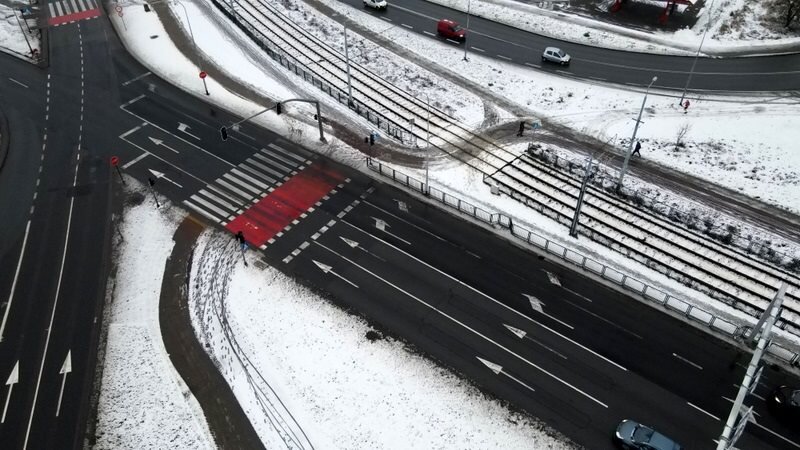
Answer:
(372, 139)
(278, 107)
(224, 133)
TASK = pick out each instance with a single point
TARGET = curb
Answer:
(227, 421)
(4, 138)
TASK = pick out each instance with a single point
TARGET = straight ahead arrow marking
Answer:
(12, 380)
(65, 369)
(328, 269)
(537, 305)
(498, 370)
(161, 176)
(183, 127)
(161, 143)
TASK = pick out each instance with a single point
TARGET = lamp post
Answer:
(633, 138)
(469, 4)
(697, 54)
(188, 22)
(347, 59)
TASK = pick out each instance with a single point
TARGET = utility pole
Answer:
(152, 183)
(466, 35)
(732, 429)
(633, 138)
(573, 229)
(696, 55)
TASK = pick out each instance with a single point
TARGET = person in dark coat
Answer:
(636, 149)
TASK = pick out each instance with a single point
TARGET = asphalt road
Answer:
(772, 73)
(589, 356)
(55, 247)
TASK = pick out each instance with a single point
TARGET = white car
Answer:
(556, 55)
(376, 4)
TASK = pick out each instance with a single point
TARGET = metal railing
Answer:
(388, 126)
(652, 294)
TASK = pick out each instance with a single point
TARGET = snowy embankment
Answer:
(734, 26)
(13, 32)
(143, 401)
(308, 372)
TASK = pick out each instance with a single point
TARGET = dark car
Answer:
(785, 403)
(633, 435)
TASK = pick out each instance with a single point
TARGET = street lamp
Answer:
(469, 3)
(697, 54)
(347, 59)
(633, 138)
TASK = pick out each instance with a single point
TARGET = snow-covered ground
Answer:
(13, 31)
(731, 25)
(143, 401)
(595, 109)
(299, 363)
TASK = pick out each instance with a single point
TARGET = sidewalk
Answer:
(228, 423)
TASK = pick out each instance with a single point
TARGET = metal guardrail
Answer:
(388, 126)
(700, 219)
(633, 285)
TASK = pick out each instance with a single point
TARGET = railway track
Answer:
(724, 273)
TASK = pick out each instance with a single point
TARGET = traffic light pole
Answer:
(278, 109)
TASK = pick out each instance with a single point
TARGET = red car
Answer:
(451, 30)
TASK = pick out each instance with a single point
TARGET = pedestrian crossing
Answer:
(68, 11)
(266, 193)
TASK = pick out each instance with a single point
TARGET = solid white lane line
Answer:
(681, 358)
(476, 332)
(532, 320)
(55, 303)
(21, 84)
(134, 79)
(16, 277)
(703, 411)
(134, 161)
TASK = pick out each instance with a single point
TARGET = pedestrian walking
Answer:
(685, 106)
(521, 129)
(636, 149)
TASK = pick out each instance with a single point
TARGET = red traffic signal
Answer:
(278, 107)
(223, 132)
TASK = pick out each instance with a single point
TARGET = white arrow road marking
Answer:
(65, 369)
(355, 244)
(183, 127)
(537, 304)
(381, 225)
(464, 325)
(327, 269)
(486, 296)
(693, 364)
(161, 143)
(161, 176)
(523, 335)
(553, 278)
(498, 369)
(402, 205)
(12, 380)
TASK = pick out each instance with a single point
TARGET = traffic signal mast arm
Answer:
(279, 109)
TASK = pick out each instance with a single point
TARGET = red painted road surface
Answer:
(88, 14)
(262, 221)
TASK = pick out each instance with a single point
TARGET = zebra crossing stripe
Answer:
(241, 183)
(235, 190)
(52, 11)
(208, 205)
(283, 159)
(58, 9)
(268, 169)
(270, 158)
(66, 7)
(219, 201)
(286, 152)
(91, 4)
(230, 196)
(247, 177)
(256, 173)
(201, 211)
(74, 6)
(83, 5)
